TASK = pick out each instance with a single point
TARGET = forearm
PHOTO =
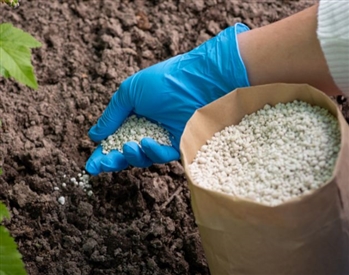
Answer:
(287, 51)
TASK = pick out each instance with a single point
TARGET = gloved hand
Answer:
(169, 93)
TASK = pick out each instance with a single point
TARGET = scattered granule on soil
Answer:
(82, 180)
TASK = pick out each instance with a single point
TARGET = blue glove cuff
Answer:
(225, 56)
(215, 67)
(242, 77)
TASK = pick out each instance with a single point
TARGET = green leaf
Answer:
(4, 72)
(10, 259)
(11, 3)
(15, 54)
(3, 213)
(15, 36)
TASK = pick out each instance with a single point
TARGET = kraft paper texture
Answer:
(304, 236)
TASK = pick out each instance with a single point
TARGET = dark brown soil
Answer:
(138, 221)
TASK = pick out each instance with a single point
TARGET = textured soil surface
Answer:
(138, 221)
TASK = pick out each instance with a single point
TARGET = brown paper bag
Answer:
(306, 235)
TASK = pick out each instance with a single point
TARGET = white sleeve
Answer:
(333, 34)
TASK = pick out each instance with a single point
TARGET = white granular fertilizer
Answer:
(272, 155)
(135, 129)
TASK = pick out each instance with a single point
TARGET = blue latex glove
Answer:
(169, 93)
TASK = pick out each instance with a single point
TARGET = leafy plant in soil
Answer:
(15, 62)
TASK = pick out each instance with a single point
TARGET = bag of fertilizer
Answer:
(268, 171)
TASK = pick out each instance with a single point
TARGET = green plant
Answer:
(10, 259)
(15, 62)
(11, 3)
(15, 54)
